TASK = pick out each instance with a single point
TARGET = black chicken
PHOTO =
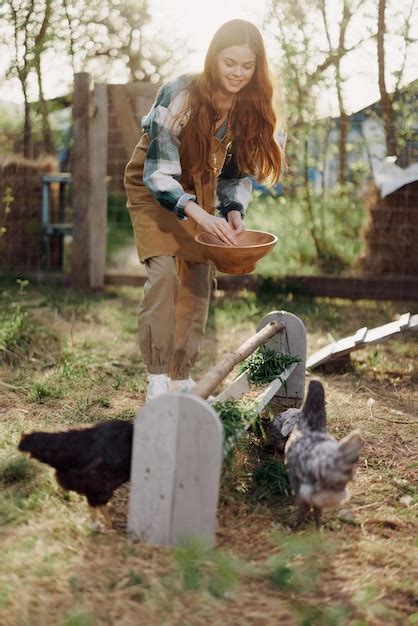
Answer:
(319, 466)
(92, 461)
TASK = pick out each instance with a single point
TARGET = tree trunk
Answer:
(27, 129)
(308, 197)
(325, 156)
(342, 143)
(47, 142)
(388, 112)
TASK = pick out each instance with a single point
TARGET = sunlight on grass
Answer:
(339, 218)
(80, 364)
(78, 619)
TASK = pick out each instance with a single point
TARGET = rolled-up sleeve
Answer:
(162, 168)
(233, 194)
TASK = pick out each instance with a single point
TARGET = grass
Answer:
(79, 364)
(338, 219)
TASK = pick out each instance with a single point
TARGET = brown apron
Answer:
(157, 231)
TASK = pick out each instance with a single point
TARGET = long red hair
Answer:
(252, 117)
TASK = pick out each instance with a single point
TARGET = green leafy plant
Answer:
(16, 470)
(40, 392)
(296, 570)
(264, 365)
(201, 568)
(7, 203)
(299, 562)
(236, 417)
(13, 323)
(78, 618)
(271, 480)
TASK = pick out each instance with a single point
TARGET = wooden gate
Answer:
(106, 129)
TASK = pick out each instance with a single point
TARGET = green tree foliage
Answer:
(396, 110)
(108, 38)
(27, 26)
(305, 70)
(104, 35)
(312, 47)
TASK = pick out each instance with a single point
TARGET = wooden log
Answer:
(220, 370)
(98, 189)
(81, 251)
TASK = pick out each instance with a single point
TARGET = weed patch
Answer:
(16, 470)
(200, 568)
(271, 480)
(76, 361)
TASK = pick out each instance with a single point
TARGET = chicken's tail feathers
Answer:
(350, 447)
(342, 469)
(313, 410)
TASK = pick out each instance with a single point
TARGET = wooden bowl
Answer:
(252, 246)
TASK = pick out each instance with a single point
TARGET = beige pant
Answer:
(173, 314)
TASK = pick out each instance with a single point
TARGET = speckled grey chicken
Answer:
(280, 428)
(91, 461)
(319, 466)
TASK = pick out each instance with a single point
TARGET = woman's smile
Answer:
(236, 67)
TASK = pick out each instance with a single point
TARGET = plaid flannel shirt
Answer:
(162, 168)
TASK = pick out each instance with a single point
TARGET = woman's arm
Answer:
(233, 198)
(162, 168)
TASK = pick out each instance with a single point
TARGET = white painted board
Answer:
(175, 473)
(362, 338)
(291, 341)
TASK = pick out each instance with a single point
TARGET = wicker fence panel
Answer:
(391, 235)
(21, 243)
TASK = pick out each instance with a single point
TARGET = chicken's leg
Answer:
(104, 521)
(93, 514)
(105, 515)
(317, 516)
(302, 513)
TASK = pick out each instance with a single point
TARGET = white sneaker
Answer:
(182, 385)
(157, 385)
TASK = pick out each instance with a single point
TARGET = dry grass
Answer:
(55, 571)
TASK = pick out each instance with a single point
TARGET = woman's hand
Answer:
(235, 220)
(217, 226)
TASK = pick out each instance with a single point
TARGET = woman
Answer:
(202, 139)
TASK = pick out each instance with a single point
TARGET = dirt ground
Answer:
(75, 362)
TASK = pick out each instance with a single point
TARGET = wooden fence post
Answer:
(81, 182)
(175, 474)
(98, 188)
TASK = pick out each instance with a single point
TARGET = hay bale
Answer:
(391, 234)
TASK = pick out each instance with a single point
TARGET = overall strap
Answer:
(205, 183)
